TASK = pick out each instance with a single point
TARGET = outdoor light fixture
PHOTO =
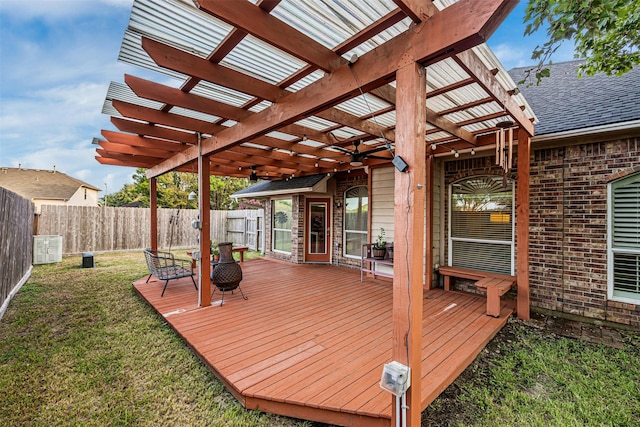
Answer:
(355, 162)
(192, 196)
(473, 151)
(254, 176)
(433, 147)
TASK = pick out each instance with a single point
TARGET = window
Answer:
(281, 225)
(624, 239)
(356, 208)
(481, 222)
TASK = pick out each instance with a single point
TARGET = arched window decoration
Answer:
(356, 211)
(481, 220)
(624, 239)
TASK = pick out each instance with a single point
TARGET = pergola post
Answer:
(428, 213)
(522, 224)
(153, 206)
(409, 230)
(204, 267)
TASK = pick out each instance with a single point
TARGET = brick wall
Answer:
(568, 229)
(343, 183)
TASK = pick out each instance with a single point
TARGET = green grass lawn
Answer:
(79, 347)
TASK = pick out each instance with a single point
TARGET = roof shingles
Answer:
(565, 102)
(41, 184)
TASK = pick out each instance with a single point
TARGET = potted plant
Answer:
(380, 246)
(215, 251)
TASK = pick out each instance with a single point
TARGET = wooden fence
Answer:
(16, 244)
(104, 229)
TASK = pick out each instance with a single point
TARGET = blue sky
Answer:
(57, 58)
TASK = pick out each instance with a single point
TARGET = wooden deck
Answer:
(311, 340)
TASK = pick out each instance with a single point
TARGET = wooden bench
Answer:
(241, 250)
(494, 284)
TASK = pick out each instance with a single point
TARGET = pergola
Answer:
(271, 87)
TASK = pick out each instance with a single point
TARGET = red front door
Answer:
(318, 231)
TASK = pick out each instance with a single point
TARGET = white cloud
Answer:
(56, 9)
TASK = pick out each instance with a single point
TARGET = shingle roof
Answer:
(41, 184)
(293, 185)
(564, 102)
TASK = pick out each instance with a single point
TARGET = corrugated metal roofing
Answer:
(178, 23)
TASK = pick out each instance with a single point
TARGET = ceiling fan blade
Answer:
(344, 150)
(379, 158)
(374, 150)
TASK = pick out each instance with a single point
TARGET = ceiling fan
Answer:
(356, 156)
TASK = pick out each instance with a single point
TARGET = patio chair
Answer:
(165, 267)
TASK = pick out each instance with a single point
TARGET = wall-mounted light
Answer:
(192, 196)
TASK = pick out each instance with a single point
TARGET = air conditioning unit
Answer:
(47, 249)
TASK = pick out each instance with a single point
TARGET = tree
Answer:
(174, 188)
(606, 34)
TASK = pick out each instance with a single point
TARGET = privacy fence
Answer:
(16, 244)
(104, 229)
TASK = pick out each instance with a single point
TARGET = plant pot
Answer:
(390, 252)
(378, 253)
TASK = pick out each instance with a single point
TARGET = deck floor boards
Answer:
(311, 340)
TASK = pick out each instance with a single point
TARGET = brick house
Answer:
(578, 155)
(585, 172)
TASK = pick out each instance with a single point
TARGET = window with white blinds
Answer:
(624, 239)
(481, 221)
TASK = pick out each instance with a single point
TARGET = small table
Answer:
(240, 249)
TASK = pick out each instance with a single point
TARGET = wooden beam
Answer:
(153, 205)
(160, 93)
(169, 57)
(204, 207)
(382, 24)
(429, 226)
(273, 31)
(522, 224)
(154, 131)
(470, 62)
(135, 151)
(409, 222)
(143, 142)
(461, 26)
(167, 95)
(152, 115)
(417, 10)
(448, 126)
(116, 162)
(342, 117)
(148, 161)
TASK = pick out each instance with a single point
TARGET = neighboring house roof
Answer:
(564, 102)
(41, 184)
(303, 184)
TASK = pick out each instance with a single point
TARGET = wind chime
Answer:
(504, 145)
